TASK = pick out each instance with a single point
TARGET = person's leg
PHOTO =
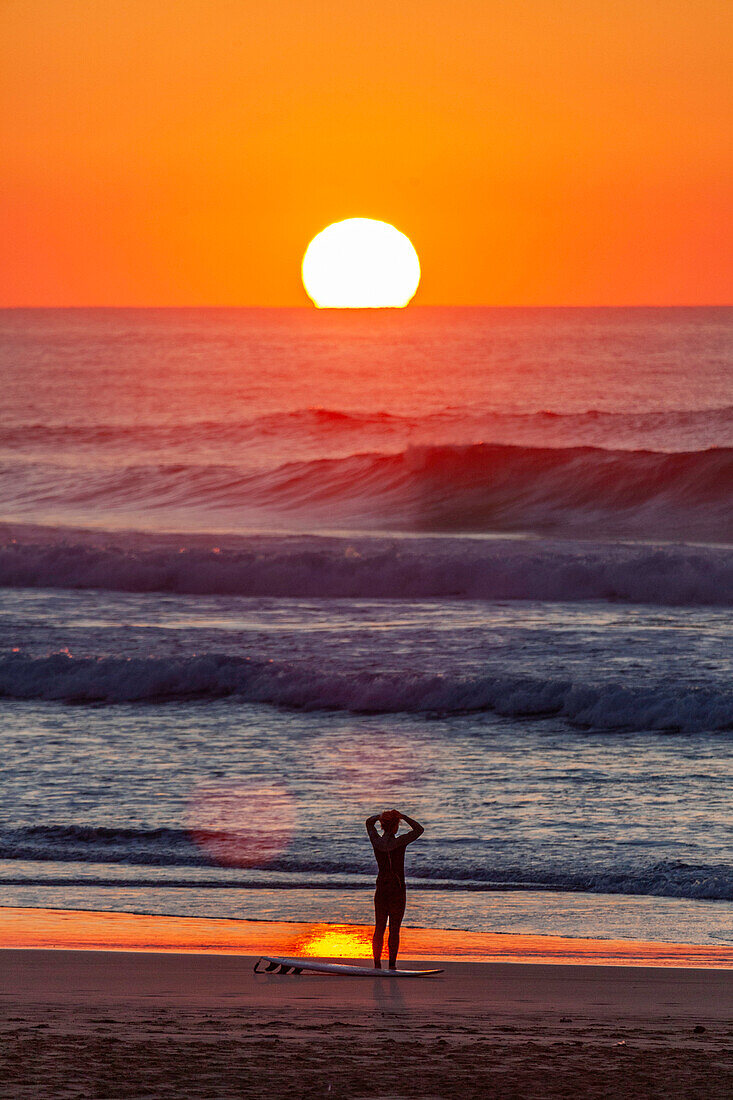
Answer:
(380, 924)
(396, 913)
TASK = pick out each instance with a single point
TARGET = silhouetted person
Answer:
(390, 895)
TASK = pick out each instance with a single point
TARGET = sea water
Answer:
(266, 572)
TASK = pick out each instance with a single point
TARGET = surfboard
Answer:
(275, 965)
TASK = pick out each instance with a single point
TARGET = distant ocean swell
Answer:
(450, 488)
(370, 568)
(328, 426)
(170, 848)
(667, 706)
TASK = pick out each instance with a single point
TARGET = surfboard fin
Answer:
(270, 968)
(275, 967)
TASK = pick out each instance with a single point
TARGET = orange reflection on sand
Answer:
(335, 941)
(118, 931)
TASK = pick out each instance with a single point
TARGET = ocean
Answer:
(265, 572)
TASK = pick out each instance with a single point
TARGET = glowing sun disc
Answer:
(360, 263)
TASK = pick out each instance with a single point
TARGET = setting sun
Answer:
(360, 264)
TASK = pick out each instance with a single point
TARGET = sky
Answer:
(536, 152)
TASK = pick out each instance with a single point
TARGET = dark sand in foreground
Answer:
(150, 1024)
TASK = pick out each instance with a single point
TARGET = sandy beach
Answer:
(149, 1023)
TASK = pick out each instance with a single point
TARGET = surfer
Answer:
(390, 894)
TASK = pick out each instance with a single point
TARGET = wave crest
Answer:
(168, 848)
(370, 568)
(667, 706)
(472, 488)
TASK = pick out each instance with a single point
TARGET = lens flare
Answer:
(241, 824)
(372, 766)
(360, 263)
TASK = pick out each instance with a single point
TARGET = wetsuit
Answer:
(390, 894)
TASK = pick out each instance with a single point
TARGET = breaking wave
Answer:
(371, 568)
(666, 706)
(173, 850)
(576, 491)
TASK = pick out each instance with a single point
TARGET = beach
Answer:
(133, 1022)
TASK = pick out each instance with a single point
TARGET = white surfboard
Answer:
(275, 965)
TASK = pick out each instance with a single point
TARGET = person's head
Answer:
(390, 821)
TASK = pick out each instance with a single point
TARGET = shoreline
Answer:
(571, 915)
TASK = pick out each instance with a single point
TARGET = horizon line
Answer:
(385, 309)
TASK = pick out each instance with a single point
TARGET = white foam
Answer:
(604, 706)
(674, 575)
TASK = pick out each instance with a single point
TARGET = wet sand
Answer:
(149, 1023)
(88, 930)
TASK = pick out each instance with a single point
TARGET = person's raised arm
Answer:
(371, 828)
(416, 830)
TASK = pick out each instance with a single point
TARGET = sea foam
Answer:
(666, 706)
(374, 568)
(95, 850)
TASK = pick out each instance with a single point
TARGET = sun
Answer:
(360, 263)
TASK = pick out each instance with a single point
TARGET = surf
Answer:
(665, 706)
(453, 488)
(167, 858)
(367, 567)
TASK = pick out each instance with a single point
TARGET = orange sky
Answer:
(184, 152)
